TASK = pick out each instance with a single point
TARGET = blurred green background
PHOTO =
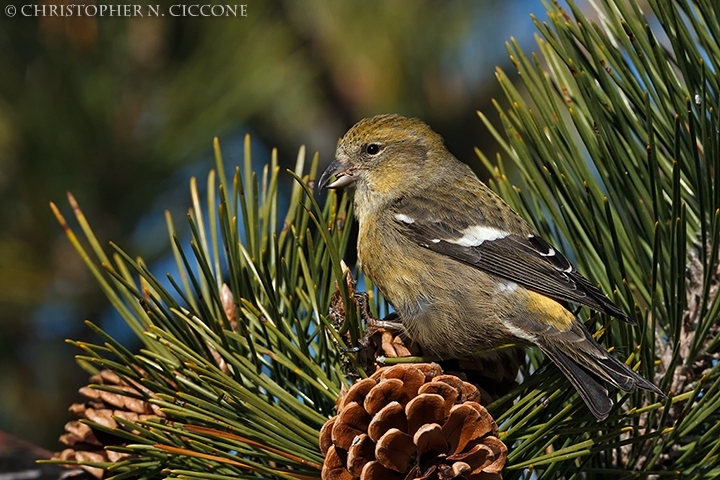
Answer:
(122, 112)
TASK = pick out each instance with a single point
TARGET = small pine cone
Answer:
(410, 421)
(86, 444)
(391, 344)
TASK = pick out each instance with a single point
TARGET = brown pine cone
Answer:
(86, 444)
(410, 421)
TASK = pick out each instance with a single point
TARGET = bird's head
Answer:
(384, 156)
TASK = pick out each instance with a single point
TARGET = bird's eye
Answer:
(372, 149)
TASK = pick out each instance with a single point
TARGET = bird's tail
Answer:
(592, 393)
(602, 365)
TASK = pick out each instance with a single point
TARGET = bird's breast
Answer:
(390, 261)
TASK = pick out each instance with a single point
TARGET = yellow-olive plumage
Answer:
(460, 267)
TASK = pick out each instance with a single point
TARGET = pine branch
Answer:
(238, 360)
(616, 147)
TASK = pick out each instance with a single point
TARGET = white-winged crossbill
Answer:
(461, 268)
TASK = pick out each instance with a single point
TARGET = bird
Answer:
(462, 270)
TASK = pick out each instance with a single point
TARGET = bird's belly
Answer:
(449, 311)
(452, 334)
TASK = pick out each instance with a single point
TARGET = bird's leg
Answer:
(390, 322)
(373, 325)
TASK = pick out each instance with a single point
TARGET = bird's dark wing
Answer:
(502, 245)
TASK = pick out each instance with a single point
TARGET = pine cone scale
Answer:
(395, 450)
(430, 438)
(361, 452)
(390, 416)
